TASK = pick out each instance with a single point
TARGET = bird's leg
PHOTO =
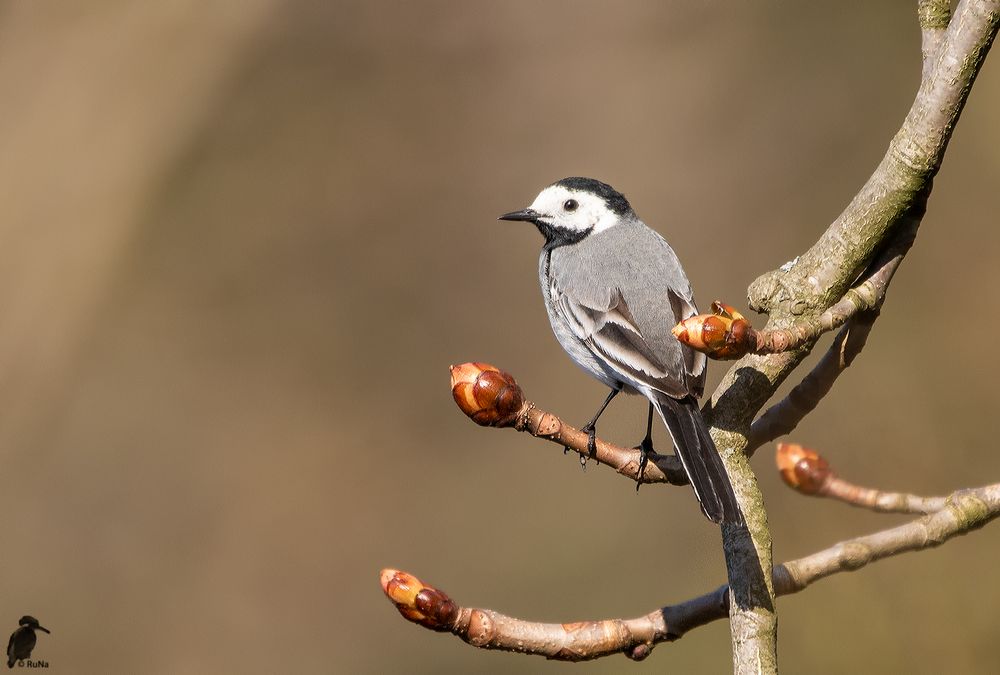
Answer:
(591, 426)
(645, 448)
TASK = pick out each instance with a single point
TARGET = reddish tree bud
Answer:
(724, 334)
(489, 396)
(802, 469)
(417, 601)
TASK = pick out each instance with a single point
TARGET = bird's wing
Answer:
(606, 324)
(620, 292)
(12, 655)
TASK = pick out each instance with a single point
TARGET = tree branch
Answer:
(726, 334)
(807, 472)
(660, 469)
(814, 282)
(492, 397)
(784, 416)
(963, 511)
(934, 17)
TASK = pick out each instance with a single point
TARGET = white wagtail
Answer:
(613, 289)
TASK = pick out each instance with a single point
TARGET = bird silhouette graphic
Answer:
(22, 640)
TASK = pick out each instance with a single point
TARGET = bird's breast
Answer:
(577, 350)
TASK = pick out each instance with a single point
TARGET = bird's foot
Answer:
(591, 432)
(591, 440)
(645, 450)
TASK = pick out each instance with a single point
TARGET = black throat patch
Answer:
(559, 236)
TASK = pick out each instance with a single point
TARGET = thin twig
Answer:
(964, 511)
(781, 418)
(809, 473)
(542, 424)
(880, 501)
(492, 397)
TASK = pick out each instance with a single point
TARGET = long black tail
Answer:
(700, 458)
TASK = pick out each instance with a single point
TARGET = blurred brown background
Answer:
(240, 243)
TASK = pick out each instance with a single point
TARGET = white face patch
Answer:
(573, 210)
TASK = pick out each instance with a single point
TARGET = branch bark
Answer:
(542, 424)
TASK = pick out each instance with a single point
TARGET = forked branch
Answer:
(819, 278)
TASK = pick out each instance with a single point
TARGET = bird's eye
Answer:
(570, 205)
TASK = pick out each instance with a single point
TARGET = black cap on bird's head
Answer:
(613, 199)
(31, 622)
(572, 208)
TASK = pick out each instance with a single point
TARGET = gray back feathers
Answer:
(622, 290)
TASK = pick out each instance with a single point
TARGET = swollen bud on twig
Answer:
(417, 601)
(489, 396)
(802, 469)
(724, 334)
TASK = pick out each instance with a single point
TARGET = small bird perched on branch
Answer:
(22, 641)
(613, 289)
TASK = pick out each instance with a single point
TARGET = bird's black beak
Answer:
(526, 215)
(44, 629)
